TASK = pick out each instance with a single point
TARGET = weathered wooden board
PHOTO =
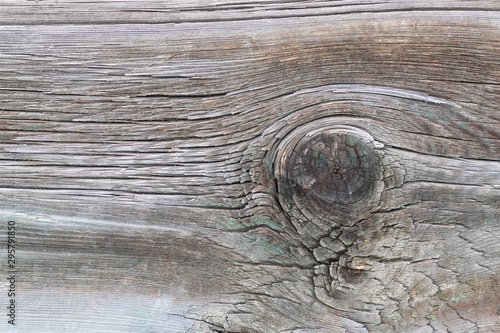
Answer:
(238, 166)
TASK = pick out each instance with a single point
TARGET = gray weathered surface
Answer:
(139, 149)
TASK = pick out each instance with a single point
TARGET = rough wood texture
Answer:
(167, 165)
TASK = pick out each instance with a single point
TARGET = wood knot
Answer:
(328, 174)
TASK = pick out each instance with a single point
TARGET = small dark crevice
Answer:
(181, 96)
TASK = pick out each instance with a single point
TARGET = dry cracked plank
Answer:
(271, 166)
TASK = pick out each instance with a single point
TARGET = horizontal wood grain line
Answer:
(106, 192)
(16, 154)
(154, 184)
(200, 169)
(115, 160)
(100, 201)
(450, 158)
(451, 184)
(198, 15)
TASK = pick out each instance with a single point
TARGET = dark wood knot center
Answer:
(328, 173)
(332, 169)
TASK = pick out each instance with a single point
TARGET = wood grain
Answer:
(139, 149)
